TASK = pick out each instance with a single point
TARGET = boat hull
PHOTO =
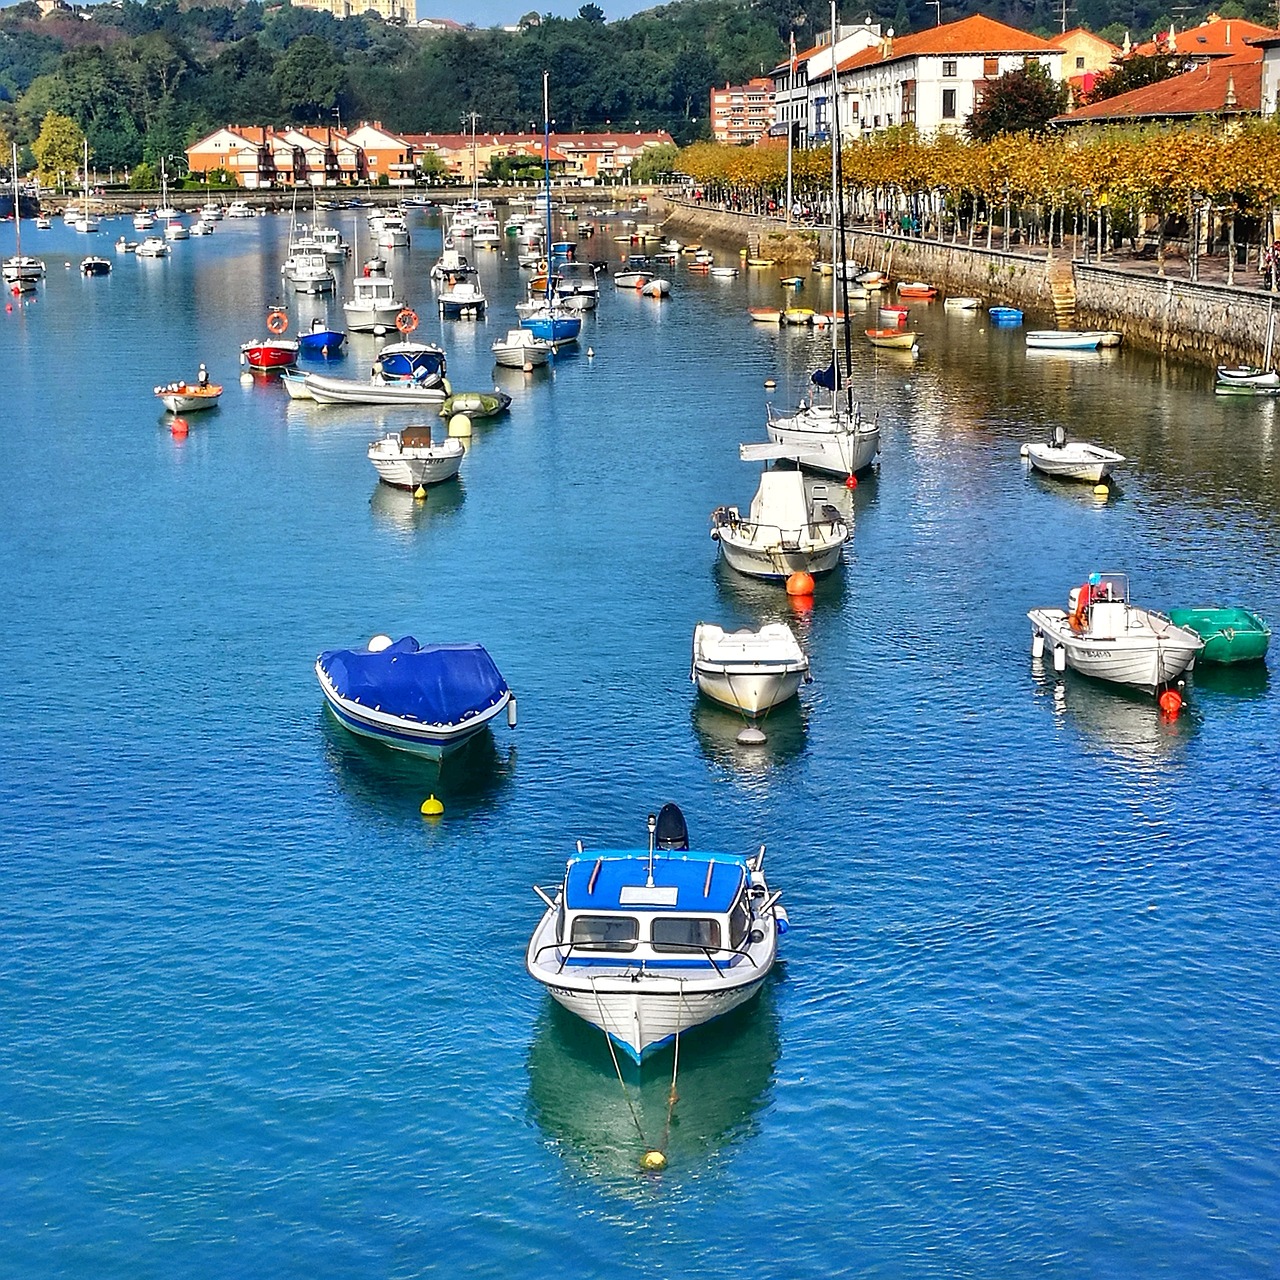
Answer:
(744, 688)
(824, 445)
(1087, 464)
(265, 356)
(1229, 635)
(1063, 340)
(326, 390)
(776, 562)
(408, 472)
(1148, 657)
(190, 401)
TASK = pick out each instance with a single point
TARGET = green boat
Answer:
(476, 404)
(1229, 635)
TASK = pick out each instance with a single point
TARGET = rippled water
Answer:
(260, 1018)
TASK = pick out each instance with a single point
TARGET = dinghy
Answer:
(750, 671)
(1072, 459)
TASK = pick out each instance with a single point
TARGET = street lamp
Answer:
(1006, 215)
(1088, 208)
(1197, 202)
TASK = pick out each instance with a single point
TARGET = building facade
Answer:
(802, 84)
(742, 114)
(388, 10)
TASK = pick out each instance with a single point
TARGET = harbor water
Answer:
(261, 1018)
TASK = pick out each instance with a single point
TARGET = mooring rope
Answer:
(613, 1053)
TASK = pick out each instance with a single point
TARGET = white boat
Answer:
(451, 266)
(393, 233)
(211, 211)
(658, 287)
(43, 222)
(175, 229)
(144, 220)
(126, 246)
(295, 385)
(152, 247)
(750, 671)
(463, 299)
(485, 231)
(308, 271)
(1248, 376)
(789, 529)
(961, 302)
(85, 219)
(1063, 339)
(331, 244)
(1072, 459)
(19, 272)
(648, 944)
(521, 349)
(1101, 634)
(202, 226)
(408, 458)
(240, 209)
(374, 304)
(575, 286)
(326, 390)
(189, 397)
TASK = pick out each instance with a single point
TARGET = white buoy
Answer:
(752, 736)
(1022, 453)
(511, 713)
(1060, 658)
(246, 379)
(591, 354)
(460, 426)
(1037, 644)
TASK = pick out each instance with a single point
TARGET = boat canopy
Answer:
(780, 500)
(616, 880)
(433, 684)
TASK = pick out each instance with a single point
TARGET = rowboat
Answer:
(765, 315)
(1248, 376)
(1072, 459)
(1229, 634)
(797, 315)
(916, 289)
(182, 397)
(900, 339)
(891, 316)
(1063, 339)
(1005, 315)
(961, 302)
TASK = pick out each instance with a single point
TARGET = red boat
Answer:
(917, 289)
(893, 315)
(269, 353)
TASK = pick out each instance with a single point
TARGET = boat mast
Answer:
(546, 168)
(837, 237)
(17, 213)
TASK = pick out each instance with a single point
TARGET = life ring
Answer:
(407, 320)
(277, 321)
(542, 266)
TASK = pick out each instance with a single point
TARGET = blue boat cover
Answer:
(825, 377)
(432, 684)
(686, 873)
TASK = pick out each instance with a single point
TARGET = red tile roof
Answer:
(1200, 91)
(977, 34)
(1215, 38)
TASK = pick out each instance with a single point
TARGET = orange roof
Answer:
(976, 34)
(1199, 92)
(1214, 38)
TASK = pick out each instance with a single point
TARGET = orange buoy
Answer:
(277, 321)
(1171, 703)
(179, 427)
(800, 584)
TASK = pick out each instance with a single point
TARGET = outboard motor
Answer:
(671, 831)
(1059, 436)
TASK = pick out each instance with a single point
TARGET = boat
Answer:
(1072, 459)
(424, 699)
(892, 317)
(1063, 339)
(152, 247)
(176, 229)
(374, 304)
(43, 222)
(1101, 634)
(202, 227)
(330, 242)
(272, 353)
(144, 220)
(321, 341)
(95, 266)
(20, 272)
(126, 246)
(1005, 315)
(723, 273)
(308, 271)
(760, 262)
(635, 272)
(422, 363)
(393, 233)
(898, 339)
(189, 397)
(451, 266)
(521, 349)
(871, 280)
(240, 209)
(575, 285)
(409, 458)
(750, 671)
(646, 944)
(765, 315)
(916, 289)
(553, 324)
(295, 385)
(463, 300)
(797, 315)
(211, 211)
(658, 287)
(85, 219)
(788, 529)
(961, 302)
(476, 404)
(1248, 376)
(408, 394)
(1230, 634)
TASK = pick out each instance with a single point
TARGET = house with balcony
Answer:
(802, 99)
(742, 114)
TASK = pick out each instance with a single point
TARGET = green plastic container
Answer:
(1229, 635)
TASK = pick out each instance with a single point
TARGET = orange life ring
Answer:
(542, 266)
(407, 320)
(277, 321)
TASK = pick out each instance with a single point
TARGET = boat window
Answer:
(739, 923)
(685, 935)
(606, 933)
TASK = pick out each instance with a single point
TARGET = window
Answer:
(606, 933)
(990, 67)
(685, 935)
(948, 104)
(908, 101)
(739, 920)
(876, 122)
(1080, 64)
(949, 68)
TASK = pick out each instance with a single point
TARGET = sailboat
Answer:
(166, 210)
(828, 434)
(550, 322)
(20, 274)
(85, 221)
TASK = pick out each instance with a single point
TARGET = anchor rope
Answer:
(675, 1068)
(608, 1039)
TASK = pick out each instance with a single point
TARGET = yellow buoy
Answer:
(420, 493)
(431, 807)
(460, 426)
(1101, 491)
(653, 1161)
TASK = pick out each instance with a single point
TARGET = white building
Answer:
(802, 84)
(935, 78)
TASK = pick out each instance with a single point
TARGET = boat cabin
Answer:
(1101, 605)
(370, 291)
(696, 913)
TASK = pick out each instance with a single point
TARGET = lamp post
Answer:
(1088, 208)
(1006, 215)
(1197, 202)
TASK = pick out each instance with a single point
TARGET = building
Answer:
(1085, 57)
(935, 78)
(742, 114)
(584, 158)
(1214, 38)
(387, 10)
(802, 84)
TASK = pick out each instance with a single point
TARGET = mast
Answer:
(837, 237)
(546, 168)
(17, 212)
(791, 124)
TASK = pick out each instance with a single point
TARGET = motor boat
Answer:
(295, 385)
(189, 397)
(326, 390)
(462, 300)
(211, 211)
(308, 271)
(175, 229)
(422, 363)
(152, 247)
(521, 349)
(202, 226)
(790, 528)
(144, 220)
(409, 458)
(646, 944)
(1072, 459)
(451, 266)
(916, 289)
(658, 287)
(321, 341)
(95, 266)
(240, 209)
(751, 671)
(330, 242)
(424, 699)
(575, 286)
(476, 404)
(634, 274)
(393, 232)
(552, 324)
(1101, 634)
(126, 246)
(265, 355)
(373, 304)
(1063, 339)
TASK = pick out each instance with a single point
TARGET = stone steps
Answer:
(1062, 289)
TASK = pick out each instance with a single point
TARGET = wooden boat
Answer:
(750, 671)
(961, 302)
(647, 944)
(1063, 339)
(765, 315)
(1229, 634)
(899, 339)
(1072, 459)
(760, 262)
(916, 289)
(183, 397)
(797, 315)
(1101, 634)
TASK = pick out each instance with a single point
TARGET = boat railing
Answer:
(600, 948)
(819, 525)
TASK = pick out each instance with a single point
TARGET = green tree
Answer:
(1134, 72)
(1020, 101)
(144, 177)
(653, 161)
(59, 148)
(309, 78)
(591, 13)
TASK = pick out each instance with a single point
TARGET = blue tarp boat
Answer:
(426, 699)
(321, 341)
(1005, 315)
(420, 362)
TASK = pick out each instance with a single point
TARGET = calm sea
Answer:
(259, 1018)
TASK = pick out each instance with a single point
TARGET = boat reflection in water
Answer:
(725, 1074)
(398, 511)
(385, 780)
(717, 730)
(1128, 722)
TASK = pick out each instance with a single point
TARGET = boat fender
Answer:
(511, 712)
(277, 321)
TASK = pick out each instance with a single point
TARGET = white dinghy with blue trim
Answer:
(646, 944)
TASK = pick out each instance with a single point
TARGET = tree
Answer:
(309, 78)
(1134, 72)
(591, 13)
(653, 161)
(1023, 100)
(58, 149)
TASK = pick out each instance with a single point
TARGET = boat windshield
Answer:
(689, 934)
(606, 933)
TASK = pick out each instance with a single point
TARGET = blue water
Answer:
(260, 1018)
